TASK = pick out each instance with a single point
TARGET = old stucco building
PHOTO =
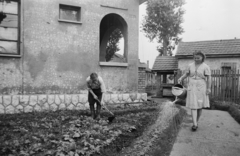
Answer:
(52, 46)
(223, 57)
(221, 54)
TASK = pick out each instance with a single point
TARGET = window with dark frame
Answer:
(228, 67)
(69, 13)
(9, 27)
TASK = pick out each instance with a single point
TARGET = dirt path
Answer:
(218, 135)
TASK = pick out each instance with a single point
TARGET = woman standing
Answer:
(199, 86)
(96, 88)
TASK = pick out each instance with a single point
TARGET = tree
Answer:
(163, 23)
(112, 45)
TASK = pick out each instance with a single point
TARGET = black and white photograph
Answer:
(119, 77)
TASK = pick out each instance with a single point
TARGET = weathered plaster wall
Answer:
(214, 63)
(57, 56)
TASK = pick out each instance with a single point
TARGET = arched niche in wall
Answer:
(113, 39)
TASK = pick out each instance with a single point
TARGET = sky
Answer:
(203, 20)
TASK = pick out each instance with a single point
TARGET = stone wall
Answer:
(28, 103)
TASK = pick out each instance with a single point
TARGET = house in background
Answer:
(146, 78)
(223, 55)
(166, 68)
(49, 48)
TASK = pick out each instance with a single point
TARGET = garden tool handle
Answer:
(108, 110)
(102, 104)
(97, 98)
(105, 107)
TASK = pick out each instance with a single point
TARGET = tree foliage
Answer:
(163, 23)
(112, 45)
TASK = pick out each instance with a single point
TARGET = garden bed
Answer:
(68, 132)
(75, 133)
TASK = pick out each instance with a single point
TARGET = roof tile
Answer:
(210, 47)
(165, 63)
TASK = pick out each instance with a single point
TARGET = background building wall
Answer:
(57, 57)
(214, 63)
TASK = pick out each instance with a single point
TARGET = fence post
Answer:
(237, 87)
(233, 86)
(212, 86)
(219, 84)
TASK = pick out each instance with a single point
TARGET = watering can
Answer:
(179, 91)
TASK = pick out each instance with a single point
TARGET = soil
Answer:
(68, 132)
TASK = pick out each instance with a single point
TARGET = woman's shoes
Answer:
(194, 128)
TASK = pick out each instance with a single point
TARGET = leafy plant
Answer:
(63, 132)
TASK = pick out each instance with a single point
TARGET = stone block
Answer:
(71, 107)
(19, 109)
(15, 100)
(42, 99)
(45, 106)
(75, 99)
(114, 98)
(143, 96)
(24, 100)
(59, 99)
(81, 107)
(37, 108)
(50, 99)
(7, 100)
(120, 98)
(86, 106)
(133, 96)
(28, 108)
(53, 107)
(83, 98)
(126, 98)
(33, 100)
(68, 99)
(107, 98)
(62, 106)
(139, 97)
(2, 109)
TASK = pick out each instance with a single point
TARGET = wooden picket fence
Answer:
(225, 85)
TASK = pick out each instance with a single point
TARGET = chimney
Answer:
(148, 63)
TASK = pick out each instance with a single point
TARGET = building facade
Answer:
(52, 46)
(221, 54)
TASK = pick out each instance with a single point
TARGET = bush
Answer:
(232, 108)
(235, 112)
(219, 105)
(222, 106)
